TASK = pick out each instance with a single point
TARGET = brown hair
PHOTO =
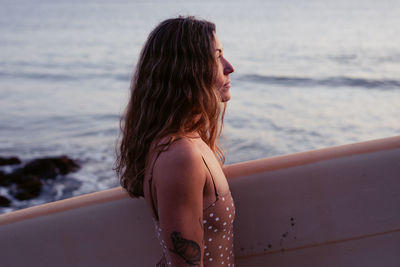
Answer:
(172, 94)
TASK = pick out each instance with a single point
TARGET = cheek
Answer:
(220, 81)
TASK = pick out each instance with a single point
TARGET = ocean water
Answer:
(308, 75)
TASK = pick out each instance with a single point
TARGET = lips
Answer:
(225, 87)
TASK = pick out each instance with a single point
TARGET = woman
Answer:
(169, 152)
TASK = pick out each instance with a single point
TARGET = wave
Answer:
(275, 80)
(328, 82)
(37, 76)
(63, 77)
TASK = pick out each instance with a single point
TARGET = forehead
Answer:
(218, 44)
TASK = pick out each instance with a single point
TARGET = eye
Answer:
(219, 53)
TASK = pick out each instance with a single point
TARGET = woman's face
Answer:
(223, 82)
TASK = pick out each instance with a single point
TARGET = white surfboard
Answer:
(337, 206)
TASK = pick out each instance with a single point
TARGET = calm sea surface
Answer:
(309, 74)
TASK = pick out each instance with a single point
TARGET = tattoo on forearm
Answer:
(187, 249)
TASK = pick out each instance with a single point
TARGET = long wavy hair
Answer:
(172, 94)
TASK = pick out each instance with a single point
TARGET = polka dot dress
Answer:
(218, 234)
(164, 260)
(218, 230)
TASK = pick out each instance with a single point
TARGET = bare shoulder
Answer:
(180, 165)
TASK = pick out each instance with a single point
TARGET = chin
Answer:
(225, 98)
(225, 95)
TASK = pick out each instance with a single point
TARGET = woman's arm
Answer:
(179, 178)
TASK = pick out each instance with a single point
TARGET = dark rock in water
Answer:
(4, 202)
(25, 183)
(4, 179)
(9, 161)
(1, 176)
(27, 187)
(49, 168)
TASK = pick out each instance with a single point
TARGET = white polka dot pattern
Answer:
(218, 225)
(218, 234)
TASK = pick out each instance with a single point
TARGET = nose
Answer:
(228, 68)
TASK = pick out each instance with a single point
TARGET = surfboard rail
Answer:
(336, 206)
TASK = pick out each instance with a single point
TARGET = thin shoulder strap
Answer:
(151, 187)
(212, 178)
